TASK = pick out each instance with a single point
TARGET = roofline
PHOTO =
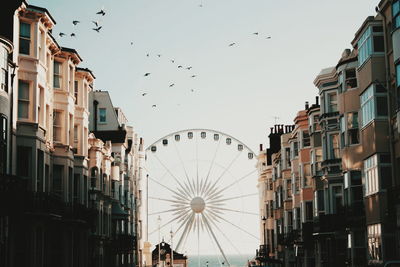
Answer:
(71, 50)
(361, 29)
(40, 9)
(86, 70)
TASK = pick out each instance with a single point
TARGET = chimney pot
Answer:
(261, 147)
(317, 100)
(307, 105)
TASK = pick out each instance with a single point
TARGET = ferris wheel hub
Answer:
(198, 204)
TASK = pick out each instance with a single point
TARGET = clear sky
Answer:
(238, 89)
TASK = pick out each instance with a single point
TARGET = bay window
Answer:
(24, 38)
(377, 173)
(4, 69)
(23, 99)
(373, 104)
(370, 43)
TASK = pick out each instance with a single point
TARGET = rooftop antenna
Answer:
(276, 118)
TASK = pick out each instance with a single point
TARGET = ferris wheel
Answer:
(202, 190)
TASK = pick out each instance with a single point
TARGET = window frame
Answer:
(58, 127)
(367, 40)
(25, 101)
(57, 76)
(25, 39)
(104, 115)
(370, 95)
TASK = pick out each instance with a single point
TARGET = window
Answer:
(337, 198)
(352, 128)
(57, 75)
(3, 144)
(332, 104)
(306, 139)
(396, 14)
(373, 104)
(23, 100)
(4, 69)
(351, 79)
(374, 242)
(398, 74)
(371, 42)
(102, 114)
(24, 155)
(76, 88)
(93, 177)
(333, 146)
(24, 38)
(57, 125)
(377, 173)
(57, 179)
(295, 149)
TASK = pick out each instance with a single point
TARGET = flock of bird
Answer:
(102, 12)
(97, 27)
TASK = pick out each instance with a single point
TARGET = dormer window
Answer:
(24, 38)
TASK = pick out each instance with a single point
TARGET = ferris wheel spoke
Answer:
(169, 189)
(184, 168)
(235, 182)
(225, 171)
(231, 198)
(226, 237)
(169, 200)
(232, 210)
(211, 165)
(215, 239)
(185, 231)
(240, 228)
(165, 224)
(172, 175)
(164, 211)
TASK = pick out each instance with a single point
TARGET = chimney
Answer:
(307, 105)
(261, 147)
(272, 129)
(276, 128)
(317, 100)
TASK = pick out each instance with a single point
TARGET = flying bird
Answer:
(189, 68)
(147, 74)
(75, 22)
(232, 44)
(61, 34)
(172, 84)
(147, 55)
(101, 12)
(193, 76)
(255, 33)
(96, 23)
(131, 43)
(180, 66)
(159, 55)
(173, 60)
(97, 29)
(154, 106)
(73, 35)
(144, 94)
(268, 37)
(192, 90)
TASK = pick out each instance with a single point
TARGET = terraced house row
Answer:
(70, 165)
(329, 183)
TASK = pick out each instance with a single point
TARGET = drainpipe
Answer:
(389, 95)
(11, 122)
(95, 103)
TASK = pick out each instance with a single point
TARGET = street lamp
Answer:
(159, 241)
(172, 248)
(265, 241)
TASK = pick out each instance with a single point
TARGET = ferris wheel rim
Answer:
(199, 130)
